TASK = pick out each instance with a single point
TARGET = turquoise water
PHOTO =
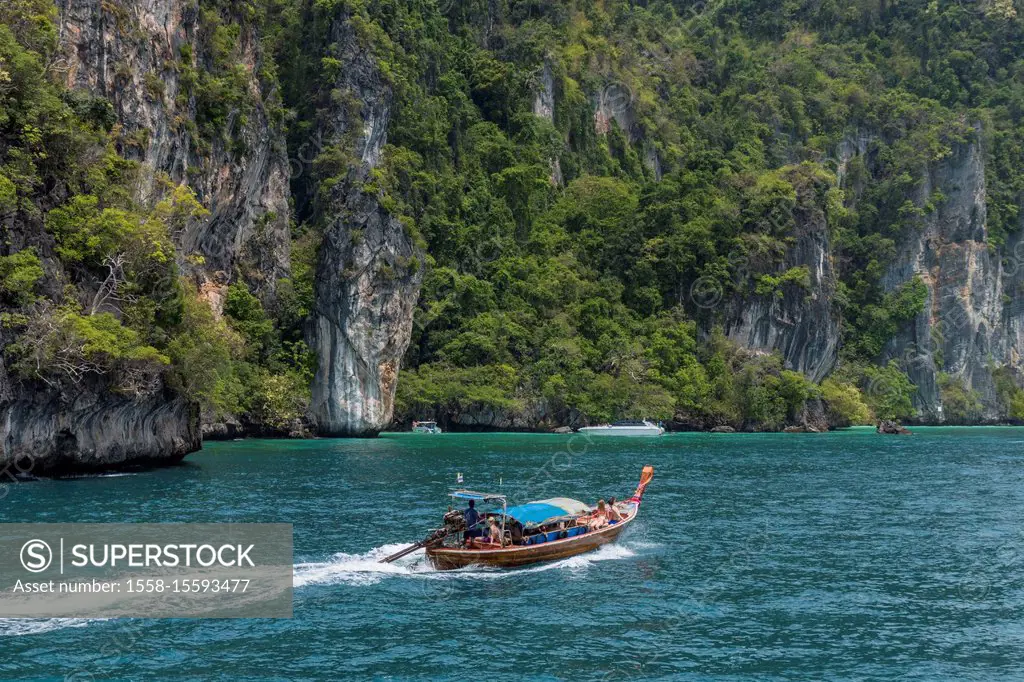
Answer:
(832, 556)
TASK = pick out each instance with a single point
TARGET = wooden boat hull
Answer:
(448, 558)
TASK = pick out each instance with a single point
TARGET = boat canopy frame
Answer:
(529, 515)
(477, 496)
(484, 497)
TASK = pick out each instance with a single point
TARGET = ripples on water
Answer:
(838, 556)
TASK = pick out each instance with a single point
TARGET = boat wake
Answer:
(365, 569)
(359, 569)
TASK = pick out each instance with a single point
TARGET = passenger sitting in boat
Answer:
(599, 518)
(472, 518)
(613, 513)
(495, 535)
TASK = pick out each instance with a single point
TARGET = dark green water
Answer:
(819, 557)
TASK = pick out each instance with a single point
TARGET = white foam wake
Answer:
(366, 569)
(358, 569)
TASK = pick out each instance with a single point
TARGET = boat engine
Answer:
(454, 522)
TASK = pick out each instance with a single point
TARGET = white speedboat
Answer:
(626, 427)
(425, 427)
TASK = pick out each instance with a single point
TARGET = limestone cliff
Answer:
(148, 60)
(797, 321)
(1010, 344)
(971, 323)
(94, 429)
(134, 54)
(369, 270)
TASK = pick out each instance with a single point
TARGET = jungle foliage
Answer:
(564, 249)
(582, 264)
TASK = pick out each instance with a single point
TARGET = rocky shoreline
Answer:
(235, 431)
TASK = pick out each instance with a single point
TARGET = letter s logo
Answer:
(36, 556)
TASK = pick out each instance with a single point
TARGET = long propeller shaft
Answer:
(453, 524)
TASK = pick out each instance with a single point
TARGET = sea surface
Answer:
(841, 556)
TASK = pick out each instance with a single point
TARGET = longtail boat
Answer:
(544, 530)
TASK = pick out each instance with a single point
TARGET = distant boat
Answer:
(425, 427)
(625, 427)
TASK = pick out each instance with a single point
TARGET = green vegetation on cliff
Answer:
(569, 249)
(90, 278)
(600, 189)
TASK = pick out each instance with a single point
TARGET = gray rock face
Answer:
(1010, 342)
(128, 52)
(615, 102)
(544, 108)
(95, 429)
(530, 418)
(366, 288)
(801, 324)
(532, 415)
(966, 330)
(544, 99)
(973, 322)
(369, 270)
(652, 160)
(814, 416)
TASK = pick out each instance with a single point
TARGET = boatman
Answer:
(472, 517)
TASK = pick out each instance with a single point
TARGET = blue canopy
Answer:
(536, 513)
(473, 495)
